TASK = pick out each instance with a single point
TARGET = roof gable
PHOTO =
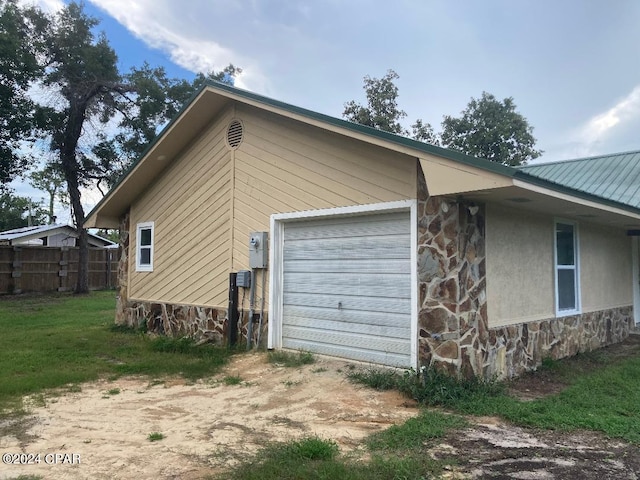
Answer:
(214, 98)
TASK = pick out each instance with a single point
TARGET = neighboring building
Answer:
(50, 236)
(381, 248)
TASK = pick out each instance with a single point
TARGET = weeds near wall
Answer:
(429, 386)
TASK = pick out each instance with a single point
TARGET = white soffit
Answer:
(445, 177)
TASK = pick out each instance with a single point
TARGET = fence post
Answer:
(16, 270)
(108, 266)
(63, 272)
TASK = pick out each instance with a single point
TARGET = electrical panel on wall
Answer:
(258, 249)
(243, 279)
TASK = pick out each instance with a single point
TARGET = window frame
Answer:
(577, 308)
(144, 267)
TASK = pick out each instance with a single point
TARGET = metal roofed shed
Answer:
(54, 235)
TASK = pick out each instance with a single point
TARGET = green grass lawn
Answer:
(50, 341)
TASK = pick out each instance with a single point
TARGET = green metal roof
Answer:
(614, 177)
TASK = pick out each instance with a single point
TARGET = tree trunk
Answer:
(71, 169)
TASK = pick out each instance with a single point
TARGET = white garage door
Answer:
(347, 287)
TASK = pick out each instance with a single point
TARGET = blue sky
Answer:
(572, 66)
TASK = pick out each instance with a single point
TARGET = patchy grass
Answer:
(155, 437)
(393, 455)
(290, 359)
(232, 380)
(602, 394)
(60, 341)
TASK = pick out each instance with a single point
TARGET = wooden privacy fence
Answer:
(43, 269)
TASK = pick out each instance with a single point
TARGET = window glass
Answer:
(565, 244)
(145, 236)
(567, 289)
(145, 256)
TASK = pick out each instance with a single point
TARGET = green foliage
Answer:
(290, 359)
(382, 111)
(312, 448)
(315, 458)
(603, 396)
(155, 436)
(50, 180)
(20, 45)
(491, 129)
(232, 380)
(432, 387)
(15, 211)
(487, 128)
(414, 432)
(51, 341)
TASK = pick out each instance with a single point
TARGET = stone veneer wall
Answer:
(205, 324)
(453, 327)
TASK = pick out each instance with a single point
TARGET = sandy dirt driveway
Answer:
(208, 426)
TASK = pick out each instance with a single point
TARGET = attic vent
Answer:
(235, 131)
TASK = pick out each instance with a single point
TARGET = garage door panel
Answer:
(362, 355)
(328, 323)
(362, 304)
(390, 286)
(364, 226)
(344, 339)
(395, 247)
(347, 287)
(338, 265)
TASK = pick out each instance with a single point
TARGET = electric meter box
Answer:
(258, 249)
(243, 279)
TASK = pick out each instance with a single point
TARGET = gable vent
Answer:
(235, 132)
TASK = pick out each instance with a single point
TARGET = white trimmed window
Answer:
(566, 268)
(144, 247)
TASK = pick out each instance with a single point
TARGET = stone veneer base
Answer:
(508, 351)
(204, 324)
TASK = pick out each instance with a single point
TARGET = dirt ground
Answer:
(209, 426)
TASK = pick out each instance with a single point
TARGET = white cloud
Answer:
(45, 5)
(605, 124)
(168, 27)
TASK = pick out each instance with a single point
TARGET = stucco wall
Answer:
(520, 281)
(606, 269)
(520, 268)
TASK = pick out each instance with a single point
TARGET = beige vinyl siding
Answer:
(520, 275)
(283, 166)
(606, 270)
(190, 207)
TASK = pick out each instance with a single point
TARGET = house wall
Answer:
(455, 271)
(211, 197)
(605, 267)
(520, 278)
(520, 266)
(189, 204)
(284, 166)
